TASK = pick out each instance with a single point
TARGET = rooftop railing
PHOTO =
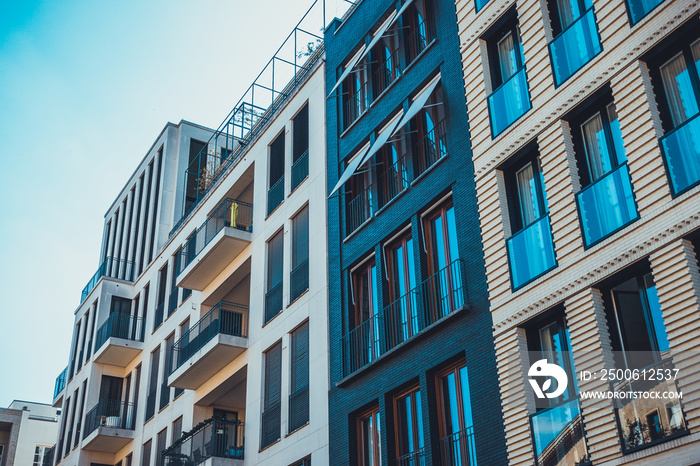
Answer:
(111, 268)
(60, 382)
(213, 438)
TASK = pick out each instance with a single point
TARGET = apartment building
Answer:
(412, 366)
(197, 338)
(27, 433)
(585, 134)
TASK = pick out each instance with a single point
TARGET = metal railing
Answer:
(273, 302)
(418, 40)
(158, 315)
(681, 150)
(386, 72)
(430, 301)
(459, 448)
(358, 210)
(60, 382)
(300, 169)
(508, 102)
(118, 325)
(298, 408)
(172, 300)
(299, 280)
(575, 46)
(109, 413)
(431, 147)
(271, 425)
(393, 181)
(48, 456)
(355, 104)
(275, 195)
(112, 268)
(414, 458)
(229, 213)
(225, 318)
(213, 438)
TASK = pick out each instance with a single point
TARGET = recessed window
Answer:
(362, 342)
(272, 396)
(299, 277)
(299, 378)
(420, 31)
(300, 147)
(369, 452)
(359, 205)
(409, 428)
(457, 446)
(275, 192)
(275, 258)
(401, 315)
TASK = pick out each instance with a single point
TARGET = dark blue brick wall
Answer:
(469, 333)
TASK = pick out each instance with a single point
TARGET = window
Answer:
(392, 169)
(153, 384)
(401, 316)
(177, 429)
(86, 321)
(442, 290)
(156, 203)
(530, 247)
(275, 259)
(120, 316)
(162, 286)
(299, 379)
(369, 439)
(299, 277)
(510, 97)
(362, 343)
(39, 453)
(355, 99)
(606, 203)
(409, 428)
(304, 462)
(78, 428)
(385, 61)
(147, 203)
(638, 9)
(275, 193)
(196, 168)
(300, 147)
(420, 30)
(272, 397)
(146, 454)
(72, 422)
(162, 438)
(457, 447)
(557, 419)
(430, 137)
(677, 86)
(172, 298)
(576, 39)
(164, 389)
(358, 197)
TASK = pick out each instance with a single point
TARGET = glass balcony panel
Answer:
(531, 252)
(575, 47)
(480, 4)
(607, 205)
(638, 9)
(682, 153)
(558, 435)
(509, 102)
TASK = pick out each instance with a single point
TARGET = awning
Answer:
(392, 19)
(418, 103)
(350, 170)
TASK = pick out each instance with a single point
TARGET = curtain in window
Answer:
(508, 56)
(618, 143)
(527, 195)
(679, 90)
(597, 154)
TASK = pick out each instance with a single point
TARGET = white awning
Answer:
(381, 140)
(418, 103)
(350, 170)
(392, 19)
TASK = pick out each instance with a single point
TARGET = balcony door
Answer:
(401, 315)
(457, 447)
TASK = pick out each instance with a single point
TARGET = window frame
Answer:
(375, 416)
(455, 369)
(412, 393)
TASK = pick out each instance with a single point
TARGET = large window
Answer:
(677, 86)
(355, 98)
(392, 169)
(146, 453)
(162, 438)
(409, 428)
(358, 198)
(606, 202)
(275, 258)
(275, 193)
(457, 447)
(430, 137)
(369, 452)
(385, 61)
(299, 278)
(299, 378)
(401, 316)
(530, 248)
(362, 342)
(420, 31)
(300, 147)
(272, 396)
(39, 453)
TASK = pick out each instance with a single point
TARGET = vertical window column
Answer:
(299, 384)
(272, 397)
(299, 277)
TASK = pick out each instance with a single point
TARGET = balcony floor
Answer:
(108, 439)
(118, 351)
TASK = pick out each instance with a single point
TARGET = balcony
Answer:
(300, 169)
(109, 426)
(431, 301)
(393, 181)
(119, 340)
(385, 72)
(356, 102)
(414, 458)
(653, 419)
(638, 9)
(558, 435)
(59, 388)
(210, 344)
(275, 195)
(358, 210)
(681, 149)
(222, 237)
(459, 448)
(509, 102)
(607, 205)
(214, 438)
(575, 47)
(430, 148)
(531, 252)
(418, 40)
(111, 268)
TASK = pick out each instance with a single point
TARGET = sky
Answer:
(86, 86)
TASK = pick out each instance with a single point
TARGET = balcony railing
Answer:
(355, 104)
(607, 205)
(300, 169)
(172, 301)
(273, 302)
(558, 434)
(48, 456)
(109, 413)
(386, 72)
(60, 382)
(230, 213)
(646, 421)
(118, 325)
(224, 318)
(299, 280)
(431, 148)
(393, 181)
(298, 408)
(275, 195)
(430, 301)
(531, 252)
(459, 448)
(418, 40)
(681, 149)
(638, 9)
(509, 102)
(111, 268)
(359, 209)
(271, 425)
(214, 438)
(414, 458)
(575, 47)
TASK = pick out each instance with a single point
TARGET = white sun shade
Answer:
(418, 103)
(348, 69)
(350, 170)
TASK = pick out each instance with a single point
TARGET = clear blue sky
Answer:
(85, 88)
